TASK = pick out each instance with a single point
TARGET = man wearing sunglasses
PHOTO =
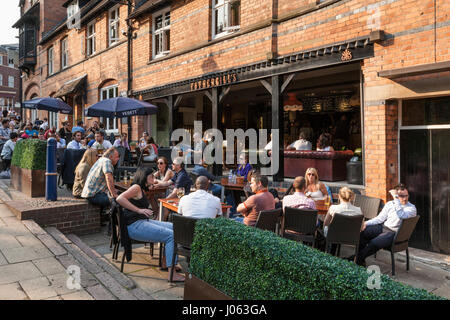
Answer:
(378, 233)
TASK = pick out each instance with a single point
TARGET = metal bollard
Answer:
(51, 175)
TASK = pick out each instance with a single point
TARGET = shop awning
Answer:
(415, 70)
(147, 6)
(72, 86)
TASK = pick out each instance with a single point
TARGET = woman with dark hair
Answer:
(138, 217)
(150, 150)
(324, 142)
(163, 173)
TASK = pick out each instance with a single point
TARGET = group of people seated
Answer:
(324, 143)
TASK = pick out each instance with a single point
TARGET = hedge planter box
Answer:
(28, 167)
(197, 289)
(29, 182)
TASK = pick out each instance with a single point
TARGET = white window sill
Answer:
(225, 33)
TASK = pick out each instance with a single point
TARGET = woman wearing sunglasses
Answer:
(163, 172)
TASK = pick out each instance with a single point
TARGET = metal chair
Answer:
(269, 219)
(370, 206)
(120, 167)
(344, 229)
(401, 240)
(183, 235)
(121, 236)
(300, 225)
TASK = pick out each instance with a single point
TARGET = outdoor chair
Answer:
(269, 219)
(122, 237)
(120, 167)
(165, 152)
(401, 240)
(370, 206)
(300, 225)
(183, 235)
(344, 229)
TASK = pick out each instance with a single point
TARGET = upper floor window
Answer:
(11, 81)
(11, 63)
(90, 37)
(50, 57)
(108, 93)
(226, 17)
(72, 9)
(114, 26)
(1, 80)
(161, 33)
(64, 53)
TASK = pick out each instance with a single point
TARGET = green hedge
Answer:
(30, 154)
(248, 263)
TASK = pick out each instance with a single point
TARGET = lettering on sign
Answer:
(214, 82)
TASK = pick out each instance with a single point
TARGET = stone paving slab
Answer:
(5, 212)
(49, 266)
(38, 289)
(59, 283)
(18, 272)
(33, 227)
(87, 279)
(82, 258)
(29, 240)
(2, 260)
(52, 245)
(57, 235)
(15, 255)
(79, 295)
(2, 223)
(114, 286)
(14, 229)
(100, 293)
(12, 291)
(141, 294)
(8, 241)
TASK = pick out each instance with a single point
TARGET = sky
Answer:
(9, 14)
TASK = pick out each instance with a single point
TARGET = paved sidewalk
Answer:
(34, 264)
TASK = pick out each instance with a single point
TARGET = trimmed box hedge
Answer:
(30, 154)
(252, 264)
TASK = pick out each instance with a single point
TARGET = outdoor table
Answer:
(172, 205)
(321, 207)
(230, 186)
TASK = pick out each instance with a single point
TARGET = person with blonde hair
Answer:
(314, 188)
(344, 207)
(82, 171)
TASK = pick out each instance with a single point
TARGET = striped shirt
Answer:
(96, 179)
(299, 201)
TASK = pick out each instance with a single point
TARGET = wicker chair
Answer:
(344, 229)
(300, 225)
(269, 219)
(370, 206)
(183, 235)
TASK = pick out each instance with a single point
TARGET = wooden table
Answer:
(231, 186)
(172, 205)
(321, 207)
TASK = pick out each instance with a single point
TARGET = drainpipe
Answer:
(129, 72)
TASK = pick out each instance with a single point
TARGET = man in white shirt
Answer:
(200, 204)
(378, 233)
(100, 142)
(44, 125)
(301, 143)
(76, 142)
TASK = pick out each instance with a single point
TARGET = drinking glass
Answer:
(327, 200)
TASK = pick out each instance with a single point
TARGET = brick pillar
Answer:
(381, 147)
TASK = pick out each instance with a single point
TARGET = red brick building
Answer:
(379, 68)
(9, 77)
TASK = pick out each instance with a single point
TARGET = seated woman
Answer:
(315, 189)
(324, 142)
(137, 216)
(344, 207)
(150, 149)
(163, 172)
(244, 168)
(82, 171)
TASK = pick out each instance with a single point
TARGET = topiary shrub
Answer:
(248, 263)
(30, 154)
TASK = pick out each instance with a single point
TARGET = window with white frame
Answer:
(64, 53)
(2, 102)
(226, 17)
(114, 26)
(11, 81)
(90, 38)
(1, 80)
(108, 93)
(50, 61)
(72, 9)
(52, 119)
(161, 33)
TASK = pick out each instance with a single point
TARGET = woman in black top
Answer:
(138, 217)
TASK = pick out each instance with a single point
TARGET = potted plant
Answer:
(132, 146)
(28, 167)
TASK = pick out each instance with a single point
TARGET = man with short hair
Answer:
(200, 204)
(301, 144)
(8, 150)
(378, 233)
(181, 178)
(4, 130)
(76, 142)
(298, 200)
(261, 200)
(100, 142)
(100, 179)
